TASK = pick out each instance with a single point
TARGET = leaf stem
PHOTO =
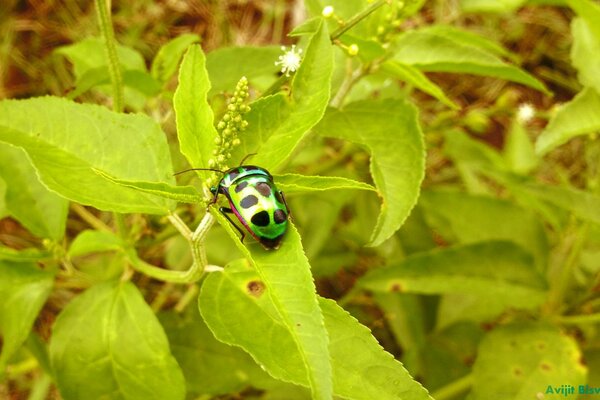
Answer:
(90, 218)
(114, 67)
(454, 388)
(196, 240)
(356, 19)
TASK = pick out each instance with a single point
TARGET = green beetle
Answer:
(256, 202)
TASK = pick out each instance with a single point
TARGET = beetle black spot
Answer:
(279, 216)
(261, 218)
(264, 189)
(241, 186)
(249, 201)
(233, 174)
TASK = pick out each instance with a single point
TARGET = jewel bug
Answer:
(255, 201)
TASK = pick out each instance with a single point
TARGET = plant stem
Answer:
(357, 18)
(90, 218)
(453, 389)
(114, 67)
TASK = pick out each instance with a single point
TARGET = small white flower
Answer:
(525, 113)
(327, 11)
(290, 60)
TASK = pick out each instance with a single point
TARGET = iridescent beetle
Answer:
(256, 202)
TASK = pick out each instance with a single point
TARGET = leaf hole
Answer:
(255, 288)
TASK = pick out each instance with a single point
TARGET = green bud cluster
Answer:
(393, 19)
(228, 129)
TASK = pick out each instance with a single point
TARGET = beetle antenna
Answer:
(198, 169)
(247, 156)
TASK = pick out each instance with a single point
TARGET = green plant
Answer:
(482, 260)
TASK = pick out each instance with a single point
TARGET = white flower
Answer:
(290, 60)
(327, 11)
(525, 113)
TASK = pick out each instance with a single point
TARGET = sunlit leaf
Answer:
(66, 141)
(24, 289)
(390, 130)
(527, 360)
(41, 211)
(167, 59)
(295, 183)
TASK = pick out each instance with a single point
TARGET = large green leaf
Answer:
(41, 211)
(209, 366)
(225, 69)
(286, 282)
(67, 142)
(431, 49)
(467, 218)
(276, 123)
(526, 361)
(578, 117)
(390, 130)
(240, 311)
(585, 52)
(24, 289)
(107, 343)
(495, 269)
(194, 116)
(167, 59)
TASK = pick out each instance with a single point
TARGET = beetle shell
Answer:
(257, 203)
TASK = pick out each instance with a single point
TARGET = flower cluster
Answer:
(228, 128)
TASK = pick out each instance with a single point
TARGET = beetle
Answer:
(256, 202)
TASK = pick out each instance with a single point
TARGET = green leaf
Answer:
(209, 366)
(519, 361)
(225, 69)
(413, 76)
(277, 125)
(583, 204)
(519, 151)
(486, 269)
(26, 255)
(578, 117)
(390, 130)
(3, 209)
(584, 52)
(24, 289)
(41, 211)
(167, 59)
(369, 49)
(90, 241)
(495, 6)
(66, 141)
(436, 51)
(284, 280)
(107, 343)
(183, 194)
(466, 218)
(294, 183)
(194, 116)
(239, 312)
(141, 81)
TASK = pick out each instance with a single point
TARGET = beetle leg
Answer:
(285, 203)
(225, 211)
